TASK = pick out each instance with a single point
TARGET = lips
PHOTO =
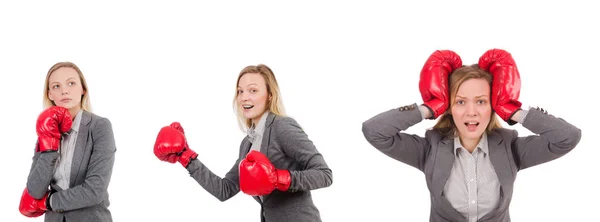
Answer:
(472, 126)
(65, 100)
(472, 123)
(247, 106)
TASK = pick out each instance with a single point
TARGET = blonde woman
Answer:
(277, 164)
(470, 162)
(74, 153)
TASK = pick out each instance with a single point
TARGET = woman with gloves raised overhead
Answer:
(470, 162)
(277, 164)
(74, 154)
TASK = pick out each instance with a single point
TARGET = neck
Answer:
(74, 112)
(470, 144)
(256, 120)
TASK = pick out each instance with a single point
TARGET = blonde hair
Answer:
(445, 124)
(85, 99)
(274, 104)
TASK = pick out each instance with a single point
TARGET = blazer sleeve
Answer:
(555, 138)
(94, 188)
(221, 188)
(296, 144)
(41, 173)
(383, 132)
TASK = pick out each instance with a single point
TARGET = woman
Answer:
(469, 160)
(278, 165)
(74, 154)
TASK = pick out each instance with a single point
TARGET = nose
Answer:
(64, 90)
(471, 110)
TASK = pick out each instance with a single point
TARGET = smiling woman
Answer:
(277, 164)
(74, 155)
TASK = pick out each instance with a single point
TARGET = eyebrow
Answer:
(249, 85)
(462, 97)
(58, 82)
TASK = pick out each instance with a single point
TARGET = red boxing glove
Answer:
(31, 207)
(50, 126)
(171, 146)
(259, 177)
(506, 82)
(433, 82)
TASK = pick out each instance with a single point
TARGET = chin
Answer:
(66, 106)
(69, 106)
(250, 115)
(472, 135)
(476, 135)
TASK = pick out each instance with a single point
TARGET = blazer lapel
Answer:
(266, 138)
(246, 145)
(267, 134)
(443, 165)
(444, 161)
(82, 136)
(500, 160)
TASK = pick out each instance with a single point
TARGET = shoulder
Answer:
(283, 122)
(434, 136)
(286, 127)
(99, 122)
(506, 133)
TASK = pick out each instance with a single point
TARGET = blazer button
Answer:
(542, 110)
(405, 108)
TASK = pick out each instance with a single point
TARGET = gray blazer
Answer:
(287, 147)
(91, 169)
(433, 155)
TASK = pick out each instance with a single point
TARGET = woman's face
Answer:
(65, 88)
(472, 111)
(252, 96)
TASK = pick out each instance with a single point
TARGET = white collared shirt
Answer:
(473, 188)
(62, 172)
(256, 132)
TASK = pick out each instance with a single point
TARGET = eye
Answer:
(71, 83)
(54, 87)
(240, 91)
(253, 90)
(481, 101)
(460, 102)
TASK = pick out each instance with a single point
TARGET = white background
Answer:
(338, 64)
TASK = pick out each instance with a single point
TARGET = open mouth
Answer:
(472, 124)
(247, 106)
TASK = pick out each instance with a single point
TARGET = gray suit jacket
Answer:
(433, 155)
(91, 169)
(287, 147)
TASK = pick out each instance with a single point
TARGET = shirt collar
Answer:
(483, 144)
(257, 131)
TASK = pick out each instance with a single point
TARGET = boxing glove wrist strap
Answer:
(187, 156)
(284, 180)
